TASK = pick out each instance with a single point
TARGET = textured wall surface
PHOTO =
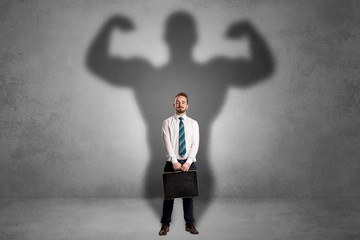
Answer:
(67, 132)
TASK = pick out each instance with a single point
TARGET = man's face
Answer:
(180, 105)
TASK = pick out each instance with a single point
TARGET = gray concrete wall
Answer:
(67, 132)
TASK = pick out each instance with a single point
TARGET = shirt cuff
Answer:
(190, 161)
(173, 159)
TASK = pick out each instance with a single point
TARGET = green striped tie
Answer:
(182, 143)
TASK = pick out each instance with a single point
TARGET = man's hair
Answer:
(182, 94)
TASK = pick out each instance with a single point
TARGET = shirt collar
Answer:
(177, 116)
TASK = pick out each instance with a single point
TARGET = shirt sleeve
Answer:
(169, 151)
(194, 143)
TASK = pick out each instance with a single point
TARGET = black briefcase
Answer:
(180, 184)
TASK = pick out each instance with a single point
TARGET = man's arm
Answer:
(169, 151)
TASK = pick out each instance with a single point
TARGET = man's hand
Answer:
(177, 166)
(185, 167)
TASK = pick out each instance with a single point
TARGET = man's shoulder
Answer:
(191, 120)
(169, 119)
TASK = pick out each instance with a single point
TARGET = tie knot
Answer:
(181, 118)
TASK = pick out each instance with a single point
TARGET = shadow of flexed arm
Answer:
(243, 72)
(114, 69)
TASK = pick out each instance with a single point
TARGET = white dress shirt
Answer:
(170, 137)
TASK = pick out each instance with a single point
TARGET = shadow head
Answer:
(180, 31)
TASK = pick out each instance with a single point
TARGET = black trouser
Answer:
(168, 204)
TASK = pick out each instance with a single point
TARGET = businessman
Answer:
(180, 136)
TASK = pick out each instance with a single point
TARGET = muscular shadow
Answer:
(155, 88)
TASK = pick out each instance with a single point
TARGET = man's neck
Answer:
(181, 114)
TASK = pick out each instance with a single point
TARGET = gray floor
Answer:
(261, 218)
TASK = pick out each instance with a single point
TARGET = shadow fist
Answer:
(121, 22)
(239, 29)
